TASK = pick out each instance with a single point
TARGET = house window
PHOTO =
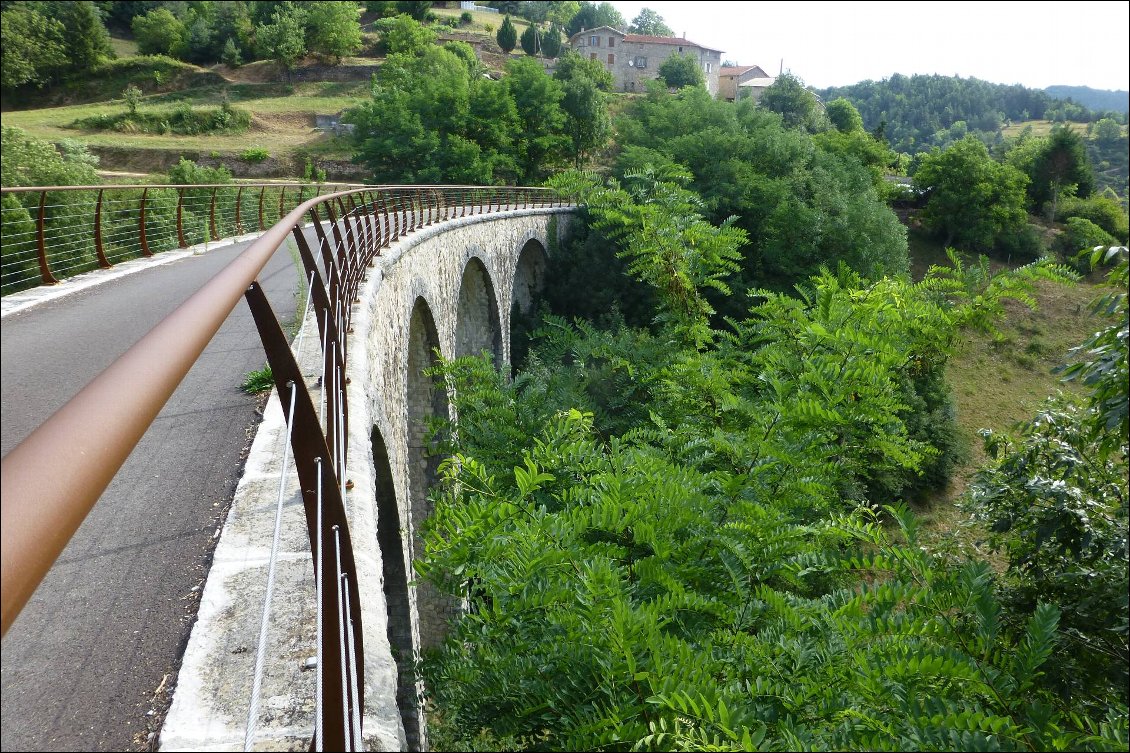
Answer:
(594, 41)
(680, 49)
(641, 61)
(708, 67)
(631, 86)
(611, 59)
(592, 56)
(612, 41)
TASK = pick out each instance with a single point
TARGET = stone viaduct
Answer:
(449, 287)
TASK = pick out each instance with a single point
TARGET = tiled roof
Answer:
(645, 39)
(735, 70)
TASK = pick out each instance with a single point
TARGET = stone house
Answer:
(633, 59)
(742, 81)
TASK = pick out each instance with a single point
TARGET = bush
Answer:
(1104, 211)
(1077, 241)
(255, 154)
(465, 18)
(1024, 245)
(184, 119)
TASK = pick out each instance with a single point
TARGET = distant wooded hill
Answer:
(917, 112)
(1093, 99)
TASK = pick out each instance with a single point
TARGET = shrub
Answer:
(465, 18)
(255, 154)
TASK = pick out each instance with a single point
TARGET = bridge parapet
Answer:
(112, 413)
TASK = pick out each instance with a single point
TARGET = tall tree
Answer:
(284, 39)
(651, 23)
(86, 40)
(844, 116)
(551, 41)
(540, 141)
(333, 29)
(158, 32)
(531, 40)
(592, 15)
(1060, 169)
(507, 36)
(586, 117)
(792, 100)
(31, 46)
(678, 71)
(973, 200)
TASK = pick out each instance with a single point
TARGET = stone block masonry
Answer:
(448, 287)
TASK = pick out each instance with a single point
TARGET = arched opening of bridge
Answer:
(529, 279)
(476, 326)
(399, 627)
(426, 400)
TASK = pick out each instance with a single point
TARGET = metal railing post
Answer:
(141, 225)
(40, 243)
(98, 248)
(212, 216)
(180, 220)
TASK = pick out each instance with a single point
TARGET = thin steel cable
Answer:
(261, 652)
(305, 313)
(341, 630)
(355, 692)
(319, 733)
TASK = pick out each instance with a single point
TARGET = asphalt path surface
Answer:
(89, 662)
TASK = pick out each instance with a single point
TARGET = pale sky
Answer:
(1036, 44)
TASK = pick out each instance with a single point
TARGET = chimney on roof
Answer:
(684, 35)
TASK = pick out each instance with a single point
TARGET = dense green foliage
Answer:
(663, 544)
(507, 36)
(648, 22)
(678, 71)
(183, 119)
(803, 202)
(917, 112)
(974, 202)
(592, 15)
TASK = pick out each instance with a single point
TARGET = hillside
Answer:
(1099, 100)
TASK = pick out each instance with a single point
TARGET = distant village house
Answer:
(633, 59)
(743, 81)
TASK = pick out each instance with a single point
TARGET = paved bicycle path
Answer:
(87, 663)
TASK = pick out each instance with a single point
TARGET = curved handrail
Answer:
(52, 479)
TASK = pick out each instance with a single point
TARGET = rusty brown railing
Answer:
(52, 479)
(53, 232)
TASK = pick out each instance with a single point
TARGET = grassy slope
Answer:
(1001, 379)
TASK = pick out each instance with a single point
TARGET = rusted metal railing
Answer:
(52, 479)
(53, 232)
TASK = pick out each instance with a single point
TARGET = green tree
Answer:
(591, 15)
(284, 39)
(531, 40)
(432, 120)
(86, 40)
(132, 96)
(1107, 131)
(417, 9)
(28, 161)
(402, 35)
(158, 32)
(551, 42)
(678, 71)
(571, 65)
(586, 117)
(507, 36)
(973, 201)
(1061, 169)
(560, 12)
(651, 23)
(540, 140)
(844, 116)
(231, 56)
(795, 103)
(333, 29)
(32, 47)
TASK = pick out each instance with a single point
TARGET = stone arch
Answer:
(395, 582)
(477, 326)
(529, 279)
(426, 400)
